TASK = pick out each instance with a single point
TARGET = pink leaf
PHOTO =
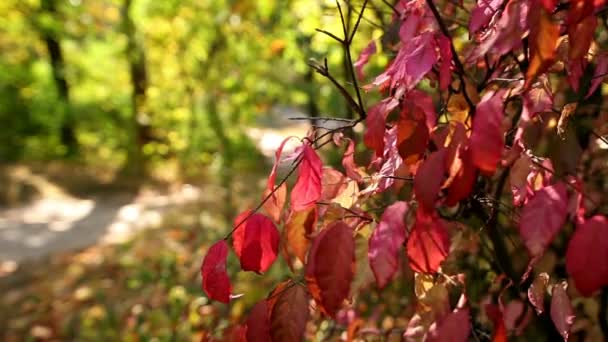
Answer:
(215, 278)
(255, 242)
(307, 190)
(429, 177)
(536, 292)
(364, 58)
(428, 244)
(413, 61)
(482, 14)
(487, 139)
(386, 241)
(601, 71)
(392, 161)
(348, 161)
(542, 217)
(562, 314)
(455, 327)
(587, 255)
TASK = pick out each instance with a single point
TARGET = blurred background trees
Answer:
(136, 83)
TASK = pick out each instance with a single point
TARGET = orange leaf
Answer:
(299, 226)
(544, 34)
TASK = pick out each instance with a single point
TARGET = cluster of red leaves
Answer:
(448, 160)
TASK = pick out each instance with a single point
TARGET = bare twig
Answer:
(460, 68)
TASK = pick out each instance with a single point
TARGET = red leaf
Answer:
(562, 314)
(289, 315)
(412, 133)
(258, 323)
(544, 34)
(463, 182)
(376, 122)
(587, 255)
(307, 190)
(445, 51)
(331, 267)
(364, 58)
(536, 292)
(454, 327)
(429, 177)
(500, 330)
(348, 161)
(600, 73)
(487, 139)
(255, 242)
(215, 278)
(580, 36)
(428, 244)
(542, 217)
(386, 241)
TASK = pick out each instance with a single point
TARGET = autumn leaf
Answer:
(386, 241)
(428, 244)
(216, 283)
(275, 203)
(455, 327)
(544, 34)
(428, 180)
(587, 255)
(562, 313)
(536, 292)
(255, 241)
(297, 230)
(363, 59)
(542, 218)
(258, 323)
(348, 162)
(487, 139)
(376, 122)
(307, 190)
(331, 266)
(289, 314)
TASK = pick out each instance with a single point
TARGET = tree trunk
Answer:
(53, 46)
(140, 120)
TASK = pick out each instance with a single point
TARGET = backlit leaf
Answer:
(428, 244)
(255, 242)
(307, 190)
(386, 241)
(215, 278)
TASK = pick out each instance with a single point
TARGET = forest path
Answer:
(60, 222)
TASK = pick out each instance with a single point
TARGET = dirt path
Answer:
(63, 223)
(59, 222)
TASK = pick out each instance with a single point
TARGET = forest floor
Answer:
(94, 262)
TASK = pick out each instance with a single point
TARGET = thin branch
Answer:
(333, 36)
(320, 118)
(457, 62)
(324, 71)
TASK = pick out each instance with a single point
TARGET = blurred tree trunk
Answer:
(53, 46)
(140, 120)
